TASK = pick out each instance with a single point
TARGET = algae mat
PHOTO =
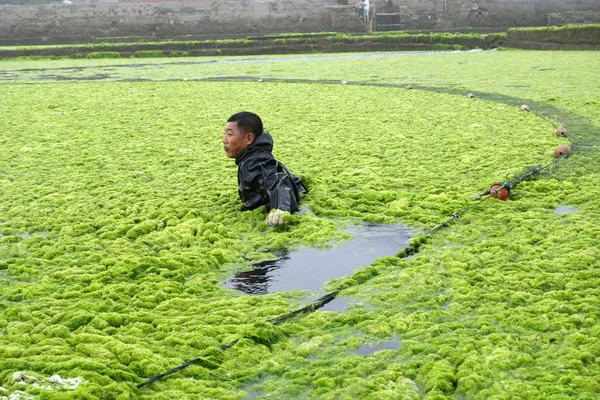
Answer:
(120, 220)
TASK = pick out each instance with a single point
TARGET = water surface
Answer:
(565, 210)
(393, 343)
(308, 269)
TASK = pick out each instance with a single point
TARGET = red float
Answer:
(499, 191)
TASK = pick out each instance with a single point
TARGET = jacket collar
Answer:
(262, 143)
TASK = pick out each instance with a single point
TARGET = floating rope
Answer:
(529, 173)
(409, 250)
(315, 305)
(182, 366)
(312, 306)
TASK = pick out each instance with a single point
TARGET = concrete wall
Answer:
(248, 17)
(447, 14)
(163, 19)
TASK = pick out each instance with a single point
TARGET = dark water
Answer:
(393, 343)
(565, 210)
(308, 269)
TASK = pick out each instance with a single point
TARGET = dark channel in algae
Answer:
(120, 221)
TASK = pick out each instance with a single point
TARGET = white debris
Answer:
(66, 383)
(54, 382)
(20, 378)
(18, 395)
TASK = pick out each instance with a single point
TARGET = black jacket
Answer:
(262, 180)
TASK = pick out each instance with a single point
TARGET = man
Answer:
(262, 180)
(363, 10)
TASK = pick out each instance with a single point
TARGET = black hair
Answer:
(248, 122)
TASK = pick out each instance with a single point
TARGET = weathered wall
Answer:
(165, 19)
(245, 17)
(445, 14)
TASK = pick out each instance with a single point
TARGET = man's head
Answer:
(241, 130)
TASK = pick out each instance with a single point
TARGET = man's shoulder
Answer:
(256, 157)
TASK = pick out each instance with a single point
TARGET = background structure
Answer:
(22, 20)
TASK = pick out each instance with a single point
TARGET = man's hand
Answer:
(275, 218)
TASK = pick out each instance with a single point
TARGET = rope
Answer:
(487, 193)
(185, 365)
(455, 215)
(409, 250)
(312, 306)
(315, 305)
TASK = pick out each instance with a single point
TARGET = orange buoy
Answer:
(562, 150)
(499, 191)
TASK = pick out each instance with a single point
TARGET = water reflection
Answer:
(256, 281)
(308, 269)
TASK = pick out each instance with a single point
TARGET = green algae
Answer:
(141, 229)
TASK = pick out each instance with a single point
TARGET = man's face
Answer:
(234, 140)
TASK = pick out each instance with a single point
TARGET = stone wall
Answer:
(248, 17)
(451, 14)
(173, 19)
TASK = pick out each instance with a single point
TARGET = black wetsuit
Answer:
(262, 180)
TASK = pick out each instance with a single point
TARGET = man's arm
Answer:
(282, 190)
(267, 182)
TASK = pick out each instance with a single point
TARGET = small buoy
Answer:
(260, 80)
(562, 150)
(471, 95)
(499, 191)
(409, 87)
(524, 107)
(185, 79)
(561, 131)
(344, 83)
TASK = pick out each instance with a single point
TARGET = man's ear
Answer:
(250, 138)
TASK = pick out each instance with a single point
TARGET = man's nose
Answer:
(224, 140)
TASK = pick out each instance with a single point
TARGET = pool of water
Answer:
(565, 210)
(308, 269)
(393, 343)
